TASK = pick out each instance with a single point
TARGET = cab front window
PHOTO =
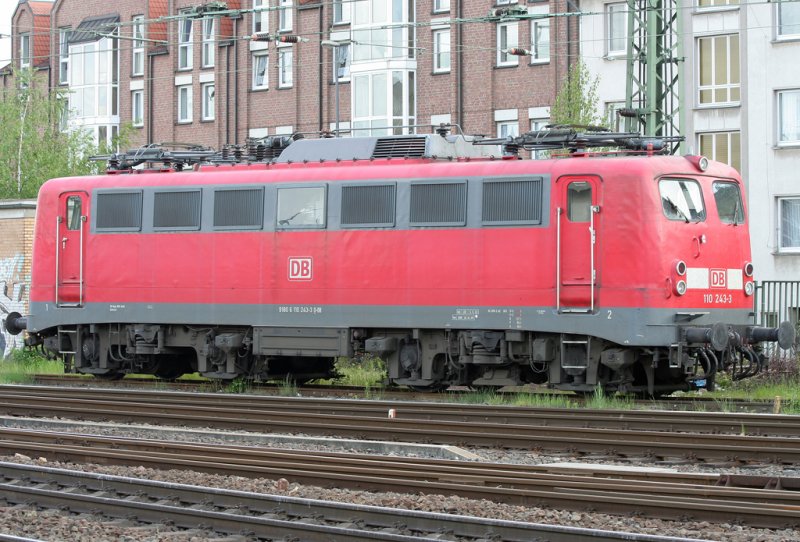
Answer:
(728, 198)
(682, 199)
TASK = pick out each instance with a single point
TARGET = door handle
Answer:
(63, 243)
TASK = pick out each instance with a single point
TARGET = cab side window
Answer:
(682, 199)
(728, 198)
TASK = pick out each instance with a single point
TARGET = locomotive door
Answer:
(578, 220)
(71, 233)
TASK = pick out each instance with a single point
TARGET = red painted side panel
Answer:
(493, 266)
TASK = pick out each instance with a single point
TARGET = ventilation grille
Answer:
(438, 204)
(119, 211)
(371, 205)
(177, 210)
(399, 147)
(512, 202)
(241, 208)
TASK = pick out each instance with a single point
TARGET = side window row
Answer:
(362, 205)
(682, 200)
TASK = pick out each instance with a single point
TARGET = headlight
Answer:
(748, 269)
(680, 268)
(749, 288)
(680, 287)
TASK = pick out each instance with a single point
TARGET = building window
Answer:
(341, 11)
(719, 69)
(441, 5)
(137, 65)
(788, 19)
(260, 63)
(441, 50)
(207, 92)
(380, 33)
(789, 226)
(185, 104)
(63, 55)
(716, 3)
(384, 102)
(617, 29)
(613, 120)
(137, 108)
(789, 117)
(209, 28)
(285, 67)
(94, 88)
(723, 147)
(260, 18)
(506, 39)
(341, 62)
(24, 50)
(285, 15)
(508, 128)
(185, 39)
(540, 38)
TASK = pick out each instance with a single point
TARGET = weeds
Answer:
(20, 366)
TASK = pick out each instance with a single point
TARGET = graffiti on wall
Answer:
(12, 298)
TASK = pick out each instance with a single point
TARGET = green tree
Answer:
(33, 145)
(576, 102)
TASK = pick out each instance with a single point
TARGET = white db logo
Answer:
(300, 268)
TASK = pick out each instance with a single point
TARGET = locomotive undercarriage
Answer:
(421, 359)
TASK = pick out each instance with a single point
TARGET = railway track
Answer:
(265, 516)
(614, 434)
(665, 495)
(703, 403)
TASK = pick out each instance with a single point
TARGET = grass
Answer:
(20, 366)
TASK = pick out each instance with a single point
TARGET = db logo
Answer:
(719, 278)
(300, 268)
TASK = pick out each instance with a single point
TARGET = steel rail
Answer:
(261, 514)
(649, 420)
(497, 482)
(613, 442)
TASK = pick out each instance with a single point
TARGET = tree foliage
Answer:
(576, 102)
(33, 145)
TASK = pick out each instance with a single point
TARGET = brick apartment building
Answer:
(178, 73)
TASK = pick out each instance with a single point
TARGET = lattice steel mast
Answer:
(655, 69)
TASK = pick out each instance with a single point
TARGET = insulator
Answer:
(261, 36)
(517, 51)
(261, 152)
(225, 152)
(288, 39)
(237, 153)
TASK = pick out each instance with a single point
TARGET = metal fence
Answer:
(778, 301)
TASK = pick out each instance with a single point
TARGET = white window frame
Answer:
(539, 124)
(208, 52)
(256, 57)
(137, 108)
(260, 19)
(781, 227)
(285, 15)
(507, 37)
(25, 50)
(137, 58)
(504, 2)
(440, 6)
(728, 86)
(540, 48)
(793, 34)
(441, 49)
(63, 55)
(185, 102)
(208, 97)
(615, 122)
(341, 11)
(716, 4)
(616, 14)
(783, 137)
(185, 42)
(285, 73)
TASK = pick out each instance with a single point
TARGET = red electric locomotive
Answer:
(629, 271)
